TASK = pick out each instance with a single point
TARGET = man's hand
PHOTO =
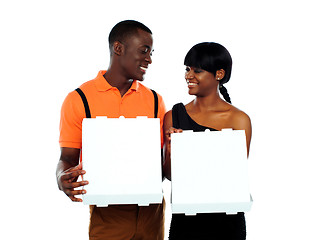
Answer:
(68, 171)
(67, 182)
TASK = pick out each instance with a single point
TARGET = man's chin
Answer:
(140, 77)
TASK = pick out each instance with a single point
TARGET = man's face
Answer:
(136, 55)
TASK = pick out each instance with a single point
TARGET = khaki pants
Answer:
(127, 222)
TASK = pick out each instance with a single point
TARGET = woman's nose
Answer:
(189, 74)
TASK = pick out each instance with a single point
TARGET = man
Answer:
(112, 93)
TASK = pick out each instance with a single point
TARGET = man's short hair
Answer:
(124, 29)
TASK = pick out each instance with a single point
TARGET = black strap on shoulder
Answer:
(156, 103)
(87, 109)
(85, 102)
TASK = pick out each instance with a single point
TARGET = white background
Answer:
(49, 48)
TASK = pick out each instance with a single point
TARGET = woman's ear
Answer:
(118, 48)
(220, 74)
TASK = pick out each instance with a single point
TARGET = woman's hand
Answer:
(172, 130)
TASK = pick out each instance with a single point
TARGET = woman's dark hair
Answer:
(211, 57)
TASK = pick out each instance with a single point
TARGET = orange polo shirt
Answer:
(105, 100)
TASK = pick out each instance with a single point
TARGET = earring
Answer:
(218, 79)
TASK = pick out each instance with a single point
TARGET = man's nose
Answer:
(148, 58)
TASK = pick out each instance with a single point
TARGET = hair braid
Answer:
(224, 92)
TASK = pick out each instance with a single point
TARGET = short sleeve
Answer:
(71, 116)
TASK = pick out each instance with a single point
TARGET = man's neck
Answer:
(118, 81)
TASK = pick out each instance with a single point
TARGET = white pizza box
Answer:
(209, 172)
(122, 160)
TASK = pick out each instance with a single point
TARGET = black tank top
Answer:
(182, 120)
(203, 225)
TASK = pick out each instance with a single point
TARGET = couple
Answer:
(117, 92)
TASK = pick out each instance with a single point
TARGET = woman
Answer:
(208, 68)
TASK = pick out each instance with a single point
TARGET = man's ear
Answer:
(118, 48)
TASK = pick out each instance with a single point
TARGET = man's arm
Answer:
(67, 172)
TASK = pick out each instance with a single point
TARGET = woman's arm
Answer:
(167, 125)
(241, 121)
(168, 129)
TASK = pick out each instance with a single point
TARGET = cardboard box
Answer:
(209, 172)
(122, 159)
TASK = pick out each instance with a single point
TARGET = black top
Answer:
(217, 226)
(182, 120)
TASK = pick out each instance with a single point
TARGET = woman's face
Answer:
(200, 82)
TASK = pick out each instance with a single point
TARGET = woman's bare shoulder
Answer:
(239, 118)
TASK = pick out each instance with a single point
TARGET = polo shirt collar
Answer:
(103, 85)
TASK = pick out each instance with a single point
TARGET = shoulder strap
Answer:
(87, 109)
(156, 103)
(180, 117)
(176, 111)
(85, 102)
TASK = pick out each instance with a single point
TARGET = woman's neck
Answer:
(208, 103)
